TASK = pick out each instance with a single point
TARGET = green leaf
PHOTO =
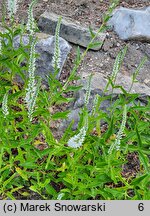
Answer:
(60, 115)
(138, 180)
(78, 58)
(110, 130)
(141, 108)
(139, 138)
(94, 45)
(29, 165)
(43, 185)
(22, 173)
(50, 190)
(139, 67)
(60, 100)
(48, 134)
(144, 160)
(5, 183)
(10, 196)
(67, 132)
(117, 193)
(73, 88)
(91, 32)
(33, 188)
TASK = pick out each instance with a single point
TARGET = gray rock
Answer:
(45, 49)
(131, 24)
(124, 79)
(69, 30)
(80, 98)
(73, 116)
(99, 82)
(133, 59)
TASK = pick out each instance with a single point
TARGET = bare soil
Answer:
(90, 12)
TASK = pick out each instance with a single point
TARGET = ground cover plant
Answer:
(107, 157)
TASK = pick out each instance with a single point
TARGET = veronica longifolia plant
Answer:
(118, 63)
(5, 105)
(77, 140)
(57, 52)
(33, 88)
(88, 91)
(12, 6)
(31, 26)
(116, 144)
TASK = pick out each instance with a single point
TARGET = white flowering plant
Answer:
(90, 161)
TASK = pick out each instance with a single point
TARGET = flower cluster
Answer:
(77, 140)
(116, 144)
(95, 103)
(57, 53)
(118, 63)
(5, 105)
(88, 91)
(12, 7)
(31, 26)
(32, 89)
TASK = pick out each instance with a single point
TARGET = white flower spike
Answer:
(77, 140)
(116, 144)
(12, 6)
(31, 26)
(5, 105)
(32, 89)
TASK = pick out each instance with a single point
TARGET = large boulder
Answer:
(131, 24)
(69, 30)
(45, 49)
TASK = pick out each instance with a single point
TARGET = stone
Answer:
(45, 49)
(132, 60)
(107, 45)
(99, 82)
(69, 30)
(73, 116)
(131, 24)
